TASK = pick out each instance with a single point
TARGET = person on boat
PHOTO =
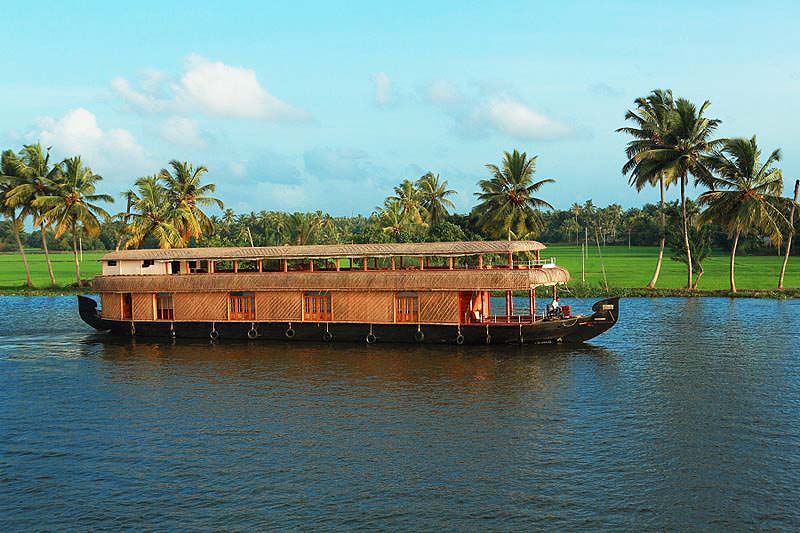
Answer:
(554, 307)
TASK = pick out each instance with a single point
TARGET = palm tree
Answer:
(303, 228)
(37, 178)
(188, 195)
(790, 236)
(151, 215)
(71, 207)
(745, 194)
(575, 209)
(410, 200)
(652, 122)
(507, 204)
(391, 219)
(434, 197)
(682, 152)
(9, 181)
(129, 196)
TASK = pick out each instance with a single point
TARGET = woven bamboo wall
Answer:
(438, 307)
(279, 306)
(201, 306)
(362, 306)
(111, 305)
(142, 306)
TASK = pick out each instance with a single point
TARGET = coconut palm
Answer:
(410, 200)
(745, 193)
(681, 153)
(188, 195)
(37, 178)
(652, 121)
(8, 182)
(123, 235)
(790, 236)
(303, 228)
(71, 207)
(507, 204)
(434, 197)
(151, 215)
(391, 219)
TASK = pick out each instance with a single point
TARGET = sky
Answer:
(326, 106)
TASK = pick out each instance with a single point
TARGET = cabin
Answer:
(448, 283)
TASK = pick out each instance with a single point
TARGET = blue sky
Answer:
(306, 105)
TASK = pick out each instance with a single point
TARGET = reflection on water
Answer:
(686, 415)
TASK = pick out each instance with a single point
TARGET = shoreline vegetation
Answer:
(671, 144)
(625, 268)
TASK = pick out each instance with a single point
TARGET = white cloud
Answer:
(518, 120)
(78, 133)
(443, 92)
(181, 130)
(209, 86)
(492, 109)
(383, 88)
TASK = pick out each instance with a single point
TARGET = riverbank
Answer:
(627, 270)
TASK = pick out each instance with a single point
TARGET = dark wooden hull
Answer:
(572, 330)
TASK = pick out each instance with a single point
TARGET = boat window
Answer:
(176, 267)
(407, 309)
(127, 306)
(148, 263)
(198, 267)
(242, 305)
(164, 309)
(111, 263)
(317, 306)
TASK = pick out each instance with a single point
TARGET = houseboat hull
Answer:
(572, 330)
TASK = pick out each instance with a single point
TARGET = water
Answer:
(686, 415)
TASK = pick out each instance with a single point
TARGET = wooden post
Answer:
(533, 304)
(235, 267)
(392, 262)
(554, 292)
(510, 259)
(286, 265)
(422, 263)
(509, 305)
(450, 263)
(211, 264)
(480, 261)
(260, 265)
(311, 265)
(365, 263)
(537, 255)
(338, 266)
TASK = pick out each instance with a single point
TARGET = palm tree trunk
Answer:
(47, 257)
(652, 284)
(15, 224)
(791, 236)
(733, 257)
(699, 275)
(75, 254)
(686, 233)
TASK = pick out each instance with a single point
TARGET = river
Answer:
(686, 415)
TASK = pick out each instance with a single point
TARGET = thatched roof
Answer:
(395, 280)
(314, 251)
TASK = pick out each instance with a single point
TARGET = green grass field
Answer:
(624, 268)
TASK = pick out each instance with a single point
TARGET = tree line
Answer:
(742, 206)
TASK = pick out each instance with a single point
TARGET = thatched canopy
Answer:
(322, 251)
(396, 280)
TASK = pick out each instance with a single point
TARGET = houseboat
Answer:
(415, 293)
